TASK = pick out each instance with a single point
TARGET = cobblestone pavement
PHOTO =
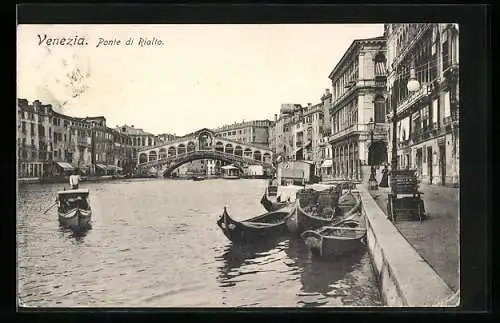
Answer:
(436, 239)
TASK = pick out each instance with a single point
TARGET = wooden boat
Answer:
(269, 224)
(198, 178)
(74, 210)
(313, 209)
(269, 200)
(339, 239)
(348, 204)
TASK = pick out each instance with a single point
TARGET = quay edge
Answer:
(405, 278)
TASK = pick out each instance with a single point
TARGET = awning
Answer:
(229, 167)
(101, 166)
(65, 166)
(298, 149)
(327, 163)
(308, 144)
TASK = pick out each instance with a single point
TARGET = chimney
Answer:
(309, 105)
(275, 117)
(327, 91)
(131, 126)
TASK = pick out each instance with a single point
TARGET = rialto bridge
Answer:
(202, 144)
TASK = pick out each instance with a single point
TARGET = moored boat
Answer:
(198, 178)
(267, 225)
(313, 209)
(74, 210)
(270, 200)
(338, 239)
(348, 203)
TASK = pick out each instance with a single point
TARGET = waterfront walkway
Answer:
(436, 239)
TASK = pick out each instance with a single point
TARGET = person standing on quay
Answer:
(73, 180)
(385, 174)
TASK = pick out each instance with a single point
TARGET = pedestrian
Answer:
(74, 179)
(385, 177)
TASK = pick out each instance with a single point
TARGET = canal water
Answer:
(155, 243)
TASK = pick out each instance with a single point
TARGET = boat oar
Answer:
(50, 207)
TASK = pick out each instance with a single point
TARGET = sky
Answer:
(200, 76)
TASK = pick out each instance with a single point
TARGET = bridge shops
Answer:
(202, 144)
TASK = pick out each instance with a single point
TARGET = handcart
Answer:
(405, 198)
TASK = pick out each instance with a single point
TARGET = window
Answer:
(446, 105)
(380, 64)
(435, 106)
(379, 109)
(425, 117)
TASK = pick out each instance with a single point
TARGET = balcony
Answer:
(412, 99)
(358, 129)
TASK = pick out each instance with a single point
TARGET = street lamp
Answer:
(372, 181)
(413, 85)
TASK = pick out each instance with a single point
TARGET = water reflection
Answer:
(75, 233)
(236, 256)
(157, 244)
(322, 278)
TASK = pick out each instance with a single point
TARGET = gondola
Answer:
(269, 195)
(270, 224)
(74, 209)
(342, 238)
(348, 203)
(313, 209)
(198, 178)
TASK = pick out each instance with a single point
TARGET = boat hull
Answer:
(331, 246)
(255, 229)
(301, 221)
(270, 205)
(75, 218)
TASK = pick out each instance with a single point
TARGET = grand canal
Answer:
(155, 243)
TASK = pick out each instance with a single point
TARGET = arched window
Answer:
(379, 109)
(380, 64)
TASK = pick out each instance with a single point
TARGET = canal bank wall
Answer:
(405, 279)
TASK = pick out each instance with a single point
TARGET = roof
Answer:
(77, 191)
(348, 52)
(229, 167)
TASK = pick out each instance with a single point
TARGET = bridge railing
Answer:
(208, 154)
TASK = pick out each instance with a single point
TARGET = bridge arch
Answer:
(172, 151)
(248, 153)
(257, 155)
(152, 155)
(191, 146)
(200, 155)
(238, 151)
(162, 153)
(219, 146)
(181, 149)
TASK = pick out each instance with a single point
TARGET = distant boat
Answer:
(198, 178)
(339, 239)
(230, 172)
(267, 225)
(74, 209)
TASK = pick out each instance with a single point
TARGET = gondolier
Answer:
(74, 179)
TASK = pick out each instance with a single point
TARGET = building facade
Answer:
(427, 118)
(358, 109)
(251, 132)
(297, 133)
(53, 144)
